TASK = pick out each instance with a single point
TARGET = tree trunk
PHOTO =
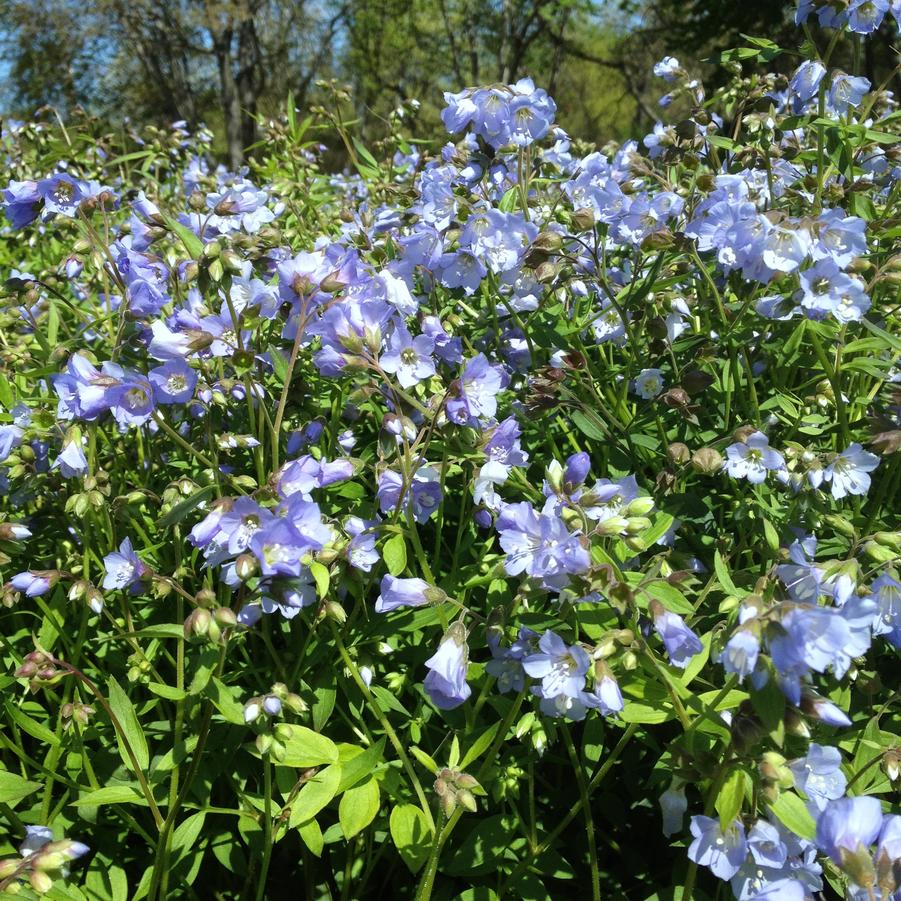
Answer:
(248, 82)
(228, 94)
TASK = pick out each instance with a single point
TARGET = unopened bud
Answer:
(706, 460)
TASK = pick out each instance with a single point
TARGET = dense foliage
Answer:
(508, 523)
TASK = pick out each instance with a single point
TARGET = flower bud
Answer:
(198, 623)
(678, 453)
(41, 882)
(706, 460)
(225, 617)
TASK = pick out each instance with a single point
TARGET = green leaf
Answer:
(643, 713)
(183, 508)
(225, 702)
(321, 577)
(586, 426)
(304, 747)
(359, 765)
(769, 704)
(358, 807)
(487, 845)
(411, 835)
(186, 834)
(479, 746)
(31, 726)
(792, 812)
(394, 552)
(731, 796)
(14, 787)
(312, 837)
(128, 721)
(169, 692)
(111, 794)
(192, 243)
(321, 788)
(366, 155)
(723, 576)
(424, 759)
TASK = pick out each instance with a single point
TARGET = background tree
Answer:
(227, 62)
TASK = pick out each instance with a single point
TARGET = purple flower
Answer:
(409, 358)
(886, 592)
(447, 349)
(279, 548)
(723, 852)
(34, 583)
(846, 91)
(124, 568)
(739, 656)
(849, 472)
(752, 459)
(540, 545)
(173, 382)
(397, 593)
(766, 845)
(673, 805)
(819, 774)
(560, 667)
(288, 596)
(848, 824)
(680, 642)
(71, 461)
(21, 199)
(10, 439)
(446, 682)
(648, 384)
(62, 194)
(422, 496)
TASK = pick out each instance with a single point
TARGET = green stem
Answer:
(586, 810)
(267, 828)
(596, 780)
(383, 721)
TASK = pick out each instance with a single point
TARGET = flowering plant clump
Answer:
(471, 524)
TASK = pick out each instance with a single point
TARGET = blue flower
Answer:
(819, 775)
(848, 824)
(21, 203)
(740, 654)
(124, 569)
(849, 472)
(173, 382)
(722, 852)
(71, 461)
(422, 496)
(446, 682)
(752, 459)
(847, 91)
(540, 545)
(886, 592)
(475, 398)
(397, 593)
(680, 642)
(408, 357)
(34, 583)
(673, 805)
(561, 667)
